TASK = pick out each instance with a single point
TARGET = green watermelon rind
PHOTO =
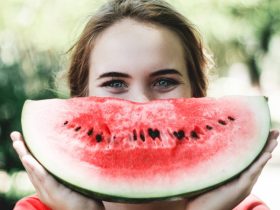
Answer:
(116, 198)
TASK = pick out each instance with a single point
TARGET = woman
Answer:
(138, 50)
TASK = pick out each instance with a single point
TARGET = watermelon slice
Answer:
(118, 150)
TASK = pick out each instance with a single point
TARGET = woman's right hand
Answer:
(229, 195)
(53, 194)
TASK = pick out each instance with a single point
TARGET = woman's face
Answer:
(138, 62)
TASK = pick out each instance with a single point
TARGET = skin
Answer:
(150, 57)
(139, 62)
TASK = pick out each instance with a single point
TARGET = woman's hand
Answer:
(229, 195)
(50, 192)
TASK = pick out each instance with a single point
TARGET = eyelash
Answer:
(114, 81)
(170, 83)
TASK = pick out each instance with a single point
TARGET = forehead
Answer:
(132, 47)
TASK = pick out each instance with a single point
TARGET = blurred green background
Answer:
(244, 37)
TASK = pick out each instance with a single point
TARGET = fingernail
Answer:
(14, 136)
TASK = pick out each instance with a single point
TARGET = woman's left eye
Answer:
(165, 83)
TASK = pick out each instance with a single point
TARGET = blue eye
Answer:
(165, 83)
(115, 85)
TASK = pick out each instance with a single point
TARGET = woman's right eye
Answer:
(115, 85)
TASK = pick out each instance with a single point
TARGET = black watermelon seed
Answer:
(78, 128)
(134, 135)
(66, 122)
(222, 122)
(231, 118)
(98, 137)
(90, 131)
(208, 127)
(179, 135)
(194, 135)
(153, 133)
(142, 137)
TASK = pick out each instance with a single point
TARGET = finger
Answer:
(49, 190)
(274, 134)
(252, 174)
(24, 156)
(272, 144)
(39, 178)
(35, 168)
(42, 178)
(32, 173)
(18, 144)
(15, 135)
(20, 148)
(272, 141)
(27, 159)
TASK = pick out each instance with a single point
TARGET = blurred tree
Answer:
(254, 26)
(28, 77)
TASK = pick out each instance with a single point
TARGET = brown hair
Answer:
(151, 11)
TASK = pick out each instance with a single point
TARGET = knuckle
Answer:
(42, 180)
(245, 180)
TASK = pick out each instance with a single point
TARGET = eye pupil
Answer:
(116, 84)
(163, 83)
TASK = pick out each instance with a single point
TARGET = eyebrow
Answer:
(154, 74)
(114, 74)
(165, 72)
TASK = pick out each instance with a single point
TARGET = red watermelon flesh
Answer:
(120, 150)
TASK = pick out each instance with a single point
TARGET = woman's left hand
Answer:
(53, 194)
(229, 195)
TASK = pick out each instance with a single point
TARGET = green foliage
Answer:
(263, 22)
(28, 77)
